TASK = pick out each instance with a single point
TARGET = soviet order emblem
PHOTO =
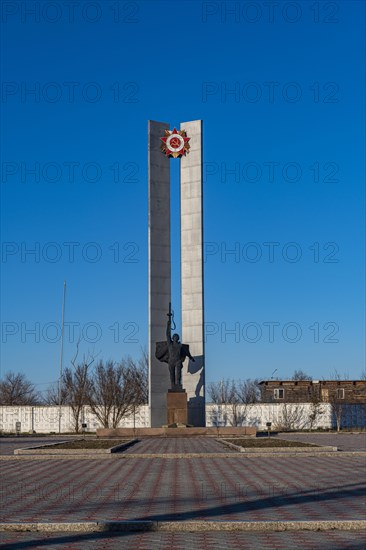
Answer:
(175, 143)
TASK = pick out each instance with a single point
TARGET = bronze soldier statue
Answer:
(174, 353)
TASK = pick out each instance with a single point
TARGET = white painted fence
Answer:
(286, 416)
(297, 416)
(47, 419)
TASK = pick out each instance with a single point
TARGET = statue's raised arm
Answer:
(168, 330)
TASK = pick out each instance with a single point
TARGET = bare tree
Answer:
(316, 410)
(336, 401)
(221, 395)
(140, 377)
(301, 375)
(337, 406)
(335, 375)
(233, 396)
(248, 391)
(52, 396)
(244, 394)
(140, 380)
(76, 381)
(76, 385)
(219, 392)
(16, 389)
(291, 417)
(114, 392)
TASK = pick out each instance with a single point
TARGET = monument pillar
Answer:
(159, 268)
(175, 144)
(191, 204)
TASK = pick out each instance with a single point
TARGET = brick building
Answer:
(305, 391)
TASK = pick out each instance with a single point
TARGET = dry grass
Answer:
(262, 442)
(91, 444)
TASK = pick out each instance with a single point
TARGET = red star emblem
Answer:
(175, 143)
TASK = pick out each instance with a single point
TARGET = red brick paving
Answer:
(224, 488)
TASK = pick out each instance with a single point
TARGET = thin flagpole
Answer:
(61, 358)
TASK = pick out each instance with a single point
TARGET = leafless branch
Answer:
(16, 389)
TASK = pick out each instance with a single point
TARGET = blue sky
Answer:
(280, 90)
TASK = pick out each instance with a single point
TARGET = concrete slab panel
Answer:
(159, 268)
(191, 188)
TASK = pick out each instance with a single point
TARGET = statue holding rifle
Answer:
(174, 353)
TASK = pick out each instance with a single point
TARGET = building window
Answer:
(340, 393)
(279, 393)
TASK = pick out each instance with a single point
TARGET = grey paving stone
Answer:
(332, 540)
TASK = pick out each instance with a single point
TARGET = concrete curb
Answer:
(239, 455)
(275, 450)
(208, 431)
(185, 526)
(53, 449)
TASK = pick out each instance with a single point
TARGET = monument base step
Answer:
(177, 425)
(226, 431)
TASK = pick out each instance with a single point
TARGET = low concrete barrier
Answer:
(184, 526)
(176, 432)
(53, 449)
(277, 450)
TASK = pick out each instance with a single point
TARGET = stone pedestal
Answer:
(177, 407)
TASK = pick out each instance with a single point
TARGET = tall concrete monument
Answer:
(184, 144)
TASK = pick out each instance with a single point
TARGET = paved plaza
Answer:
(221, 485)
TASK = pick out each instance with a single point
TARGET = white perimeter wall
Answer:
(46, 419)
(296, 414)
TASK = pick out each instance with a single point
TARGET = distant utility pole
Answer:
(61, 358)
